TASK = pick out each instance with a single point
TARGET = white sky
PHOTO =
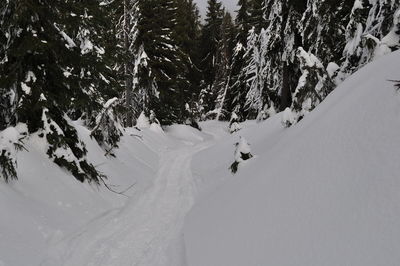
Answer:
(229, 4)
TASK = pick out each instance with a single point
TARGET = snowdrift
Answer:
(324, 192)
(47, 204)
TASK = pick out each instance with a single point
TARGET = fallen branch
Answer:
(397, 84)
(117, 192)
(138, 136)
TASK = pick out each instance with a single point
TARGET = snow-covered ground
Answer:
(323, 192)
(48, 218)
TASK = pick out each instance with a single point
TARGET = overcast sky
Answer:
(229, 4)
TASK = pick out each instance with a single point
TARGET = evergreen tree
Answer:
(256, 15)
(264, 57)
(187, 33)
(243, 21)
(166, 77)
(313, 87)
(209, 44)
(224, 56)
(235, 99)
(50, 52)
(369, 22)
(325, 41)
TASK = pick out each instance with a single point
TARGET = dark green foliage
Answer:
(243, 21)
(210, 37)
(240, 156)
(170, 66)
(234, 167)
(327, 40)
(314, 85)
(65, 148)
(54, 61)
(107, 129)
(7, 166)
(256, 14)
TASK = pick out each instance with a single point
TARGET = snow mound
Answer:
(323, 192)
(186, 133)
(142, 121)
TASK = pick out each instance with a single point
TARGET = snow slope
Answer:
(47, 204)
(324, 192)
(49, 218)
(147, 230)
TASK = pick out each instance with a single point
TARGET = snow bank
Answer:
(323, 192)
(46, 203)
(186, 133)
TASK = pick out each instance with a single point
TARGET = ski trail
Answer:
(146, 231)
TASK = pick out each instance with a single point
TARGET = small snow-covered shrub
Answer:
(10, 142)
(65, 148)
(242, 153)
(108, 130)
(142, 121)
(153, 119)
(288, 117)
(191, 116)
(234, 125)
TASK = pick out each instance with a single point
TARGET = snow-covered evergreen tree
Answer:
(209, 45)
(236, 98)
(224, 71)
(326, 41)
(370, 21)
(51, 50)
(391, 41)
(234, 125)
(313, 87)
(242, 153)
(108, 128)
(258, 94)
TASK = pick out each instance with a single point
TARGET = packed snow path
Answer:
(147, 231)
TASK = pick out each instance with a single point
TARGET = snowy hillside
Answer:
(324, 192)
(46, 203)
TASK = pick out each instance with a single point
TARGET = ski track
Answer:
(147, 231)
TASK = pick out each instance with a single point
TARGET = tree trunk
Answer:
(285, 92)
(128, 69)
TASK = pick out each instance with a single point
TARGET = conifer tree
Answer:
(313, 87)
(166, 79)
(235, 100)
(223, 75)
(187, 33)
(256, 15)
(325, 41)
(209, 44)
(243, 21)
(369, 22)
(50, 52)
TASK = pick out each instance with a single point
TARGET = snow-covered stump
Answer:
(242, 153)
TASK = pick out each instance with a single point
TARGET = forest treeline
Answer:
(105, 62)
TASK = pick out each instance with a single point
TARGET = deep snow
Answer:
(323, 192)
(52, 219)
